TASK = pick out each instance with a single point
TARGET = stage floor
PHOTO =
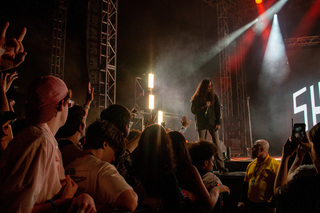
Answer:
(278, 158)
(239, 164)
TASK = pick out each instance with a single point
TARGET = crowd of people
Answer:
(54, 163)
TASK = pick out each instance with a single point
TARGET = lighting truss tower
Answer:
(108, 52)
(102, 48)
(139, 93)
(232, 82)
(225, 68)
(241, 83)
(307, 41)
(59, 39)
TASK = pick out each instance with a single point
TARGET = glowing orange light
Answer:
(259, 1)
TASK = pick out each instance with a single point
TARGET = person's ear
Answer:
(206, 163)
(5, 130)
(80, 129)
(60, 106)
(104, 145)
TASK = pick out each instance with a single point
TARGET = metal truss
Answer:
(233, 91)
(59, 39)
(307, 41)
(225, 68)
(101, 51)
(139, 93)
(108, 50)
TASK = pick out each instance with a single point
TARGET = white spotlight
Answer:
(151, 101)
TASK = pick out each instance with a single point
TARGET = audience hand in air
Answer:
(90, 92)
(184, 121)
(12, 52)
(289, 148)
(151, 120)
(7, 79)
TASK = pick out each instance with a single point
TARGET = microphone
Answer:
(206, 112)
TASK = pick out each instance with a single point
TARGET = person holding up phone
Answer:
(299, 189)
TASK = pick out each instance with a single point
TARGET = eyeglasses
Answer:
(70, 103)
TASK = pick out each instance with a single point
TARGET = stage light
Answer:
(150, 81)
(259, 1)
(160, 117)
(274, 65)
(151, 101)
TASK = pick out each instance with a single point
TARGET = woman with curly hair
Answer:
(205, 106)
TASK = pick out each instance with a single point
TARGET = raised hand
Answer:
(90, 92)
(12, 52)
(184, 121)
(7, 79)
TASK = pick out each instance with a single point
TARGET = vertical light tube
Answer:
(150, 81)
(160, 117)
(151, 101)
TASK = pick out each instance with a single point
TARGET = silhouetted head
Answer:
(119, 115)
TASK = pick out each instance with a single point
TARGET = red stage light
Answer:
(258, 1)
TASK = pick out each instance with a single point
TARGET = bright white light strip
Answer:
(150, 81)
(151, 101)
(315, 109)
(160, 117)
(301, 108)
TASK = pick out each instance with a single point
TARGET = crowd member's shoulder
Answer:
(304, 170)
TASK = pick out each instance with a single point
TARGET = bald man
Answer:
(257, 192)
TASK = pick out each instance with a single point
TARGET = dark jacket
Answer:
(207, 120)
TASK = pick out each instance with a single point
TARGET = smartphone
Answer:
(299, 131)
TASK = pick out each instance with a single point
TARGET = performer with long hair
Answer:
(205, 106)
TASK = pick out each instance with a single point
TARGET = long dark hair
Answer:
(180, 149)
(154, 155)
(202, 94)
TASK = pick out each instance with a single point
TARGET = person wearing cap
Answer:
(70, 134)
(31, 172)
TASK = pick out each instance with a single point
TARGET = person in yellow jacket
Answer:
(257, 192)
